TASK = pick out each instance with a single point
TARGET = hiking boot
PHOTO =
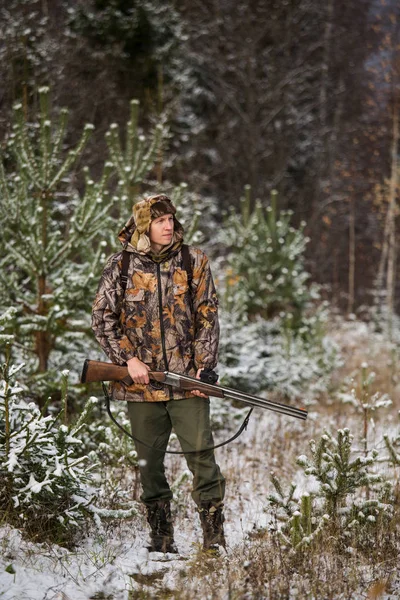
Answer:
(161, 529)
(212, 523)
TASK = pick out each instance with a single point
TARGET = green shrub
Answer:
(42, 478)
(351, 503)
(265, 265)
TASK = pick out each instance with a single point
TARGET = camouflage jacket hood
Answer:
(159, 319)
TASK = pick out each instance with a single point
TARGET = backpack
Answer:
(187, 264)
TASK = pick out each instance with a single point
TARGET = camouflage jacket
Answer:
(158, 319)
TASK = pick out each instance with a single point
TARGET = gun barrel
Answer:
(285, 409)
(222, 391)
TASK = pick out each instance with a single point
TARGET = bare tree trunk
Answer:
(324, 132)
(42, 336)
(323, 94)
(335, 278)
(391, 277)
(384, 254)
(160, 107)
(352, 257)
(45, 8)
(387, 260)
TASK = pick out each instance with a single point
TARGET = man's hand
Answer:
(196, 392)
(138, 371)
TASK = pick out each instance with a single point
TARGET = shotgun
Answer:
(95, 370)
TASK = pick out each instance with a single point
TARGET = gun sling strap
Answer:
(135, 439)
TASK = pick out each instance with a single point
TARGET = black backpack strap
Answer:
(187, 263)
(124, 269)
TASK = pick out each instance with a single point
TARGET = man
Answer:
(163, 321)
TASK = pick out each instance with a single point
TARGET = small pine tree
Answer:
(54, 238)
(265, 266)
(365, 402)
(299, 521)
(339, 502)
(336, 471)
(266, 291)
(47, 238)
(136, 159)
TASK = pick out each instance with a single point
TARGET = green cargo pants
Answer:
(152, 423)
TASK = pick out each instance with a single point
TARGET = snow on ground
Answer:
(114, 565)
(119, 562)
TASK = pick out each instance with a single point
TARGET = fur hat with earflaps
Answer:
(144, 212)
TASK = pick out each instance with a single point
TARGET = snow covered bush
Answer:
(273, 333)
(296, 519)
(265, 264)
(336, 470)
(264, 355)
(349, 500)
(43, 480)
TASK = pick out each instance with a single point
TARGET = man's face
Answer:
(162, 230)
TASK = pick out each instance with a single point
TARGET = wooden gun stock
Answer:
(96, 370)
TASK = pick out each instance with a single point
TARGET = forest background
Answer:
(274, 127)
(297, 96)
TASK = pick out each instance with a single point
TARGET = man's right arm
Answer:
(106, 322)
(106, 314)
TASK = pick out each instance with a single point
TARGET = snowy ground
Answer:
(116, 565)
